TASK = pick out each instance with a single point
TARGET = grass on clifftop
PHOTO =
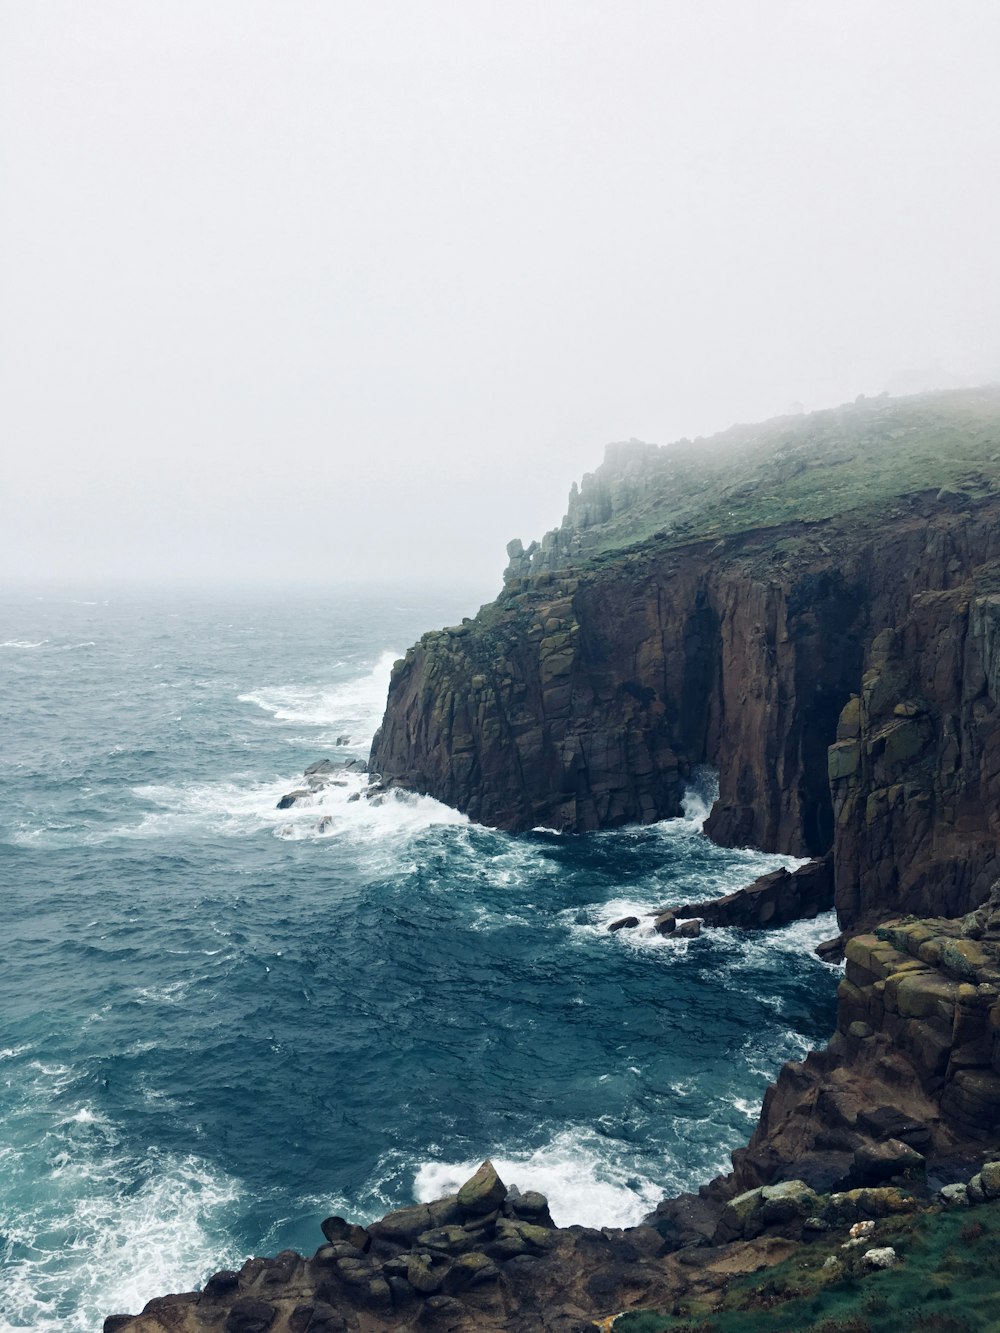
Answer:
(947, 1280)
(862, 456)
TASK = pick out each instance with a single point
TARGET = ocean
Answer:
(221, 1022)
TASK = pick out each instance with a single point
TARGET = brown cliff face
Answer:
(915, 772)
(914, 1062)
(582, 701)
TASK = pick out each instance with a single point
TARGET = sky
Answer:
(330, 291)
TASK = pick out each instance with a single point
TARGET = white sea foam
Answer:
(353, 708)
(11, 1052)
(112, 1233)
(23, 643)
(589, 1179)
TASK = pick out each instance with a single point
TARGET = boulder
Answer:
(220, 1284)
(403, 1226)
(689, 930)
(290, 798)
(831, 951)
(534, 1207)
(876, 1162)
(954, 1196)
(425, 1276)
(483, 1193)
(624, 923)
(338, 1229)
(990, 1179)
(789, 1198)
(250, 1316)
(470, 1270)
(447, 1240)
(883, 1256)
(318, 1317)
(664, 923)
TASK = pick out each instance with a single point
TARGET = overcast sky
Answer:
(343, 290)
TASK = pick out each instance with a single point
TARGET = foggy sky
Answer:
(341, 289)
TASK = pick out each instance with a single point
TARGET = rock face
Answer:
(825, 632)
(914, 1065)
(583, 700)
(915, 769)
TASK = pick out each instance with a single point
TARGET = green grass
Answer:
(862, 457)
(947, 1281)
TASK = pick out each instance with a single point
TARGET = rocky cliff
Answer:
(813, 607)
(584, 695)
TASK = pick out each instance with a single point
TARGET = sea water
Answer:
(221, 1022)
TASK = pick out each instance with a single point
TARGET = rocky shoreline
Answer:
(825, 632)
(896, 1116)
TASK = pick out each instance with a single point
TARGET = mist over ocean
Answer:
(221, 1022)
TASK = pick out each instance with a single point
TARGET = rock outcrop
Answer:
(773, 900)
(584, 696)
(584, 701)
(914, 1065)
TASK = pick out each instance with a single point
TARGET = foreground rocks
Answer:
(900, 1113)
(462, 1264)
(487, 1257)
(913, 1067)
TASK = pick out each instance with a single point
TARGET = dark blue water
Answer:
(221, 1022)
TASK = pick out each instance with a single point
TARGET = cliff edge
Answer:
(814, 614)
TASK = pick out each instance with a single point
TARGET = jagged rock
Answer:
(320, 768)
(688, 930)
(470, 1270)
(483, 1193)
(292, 797)
(876, 1162)
(773, 900)
(337, 1229)
(887, 1122)
(220, 1284)
(624, 923)
(665, 923)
